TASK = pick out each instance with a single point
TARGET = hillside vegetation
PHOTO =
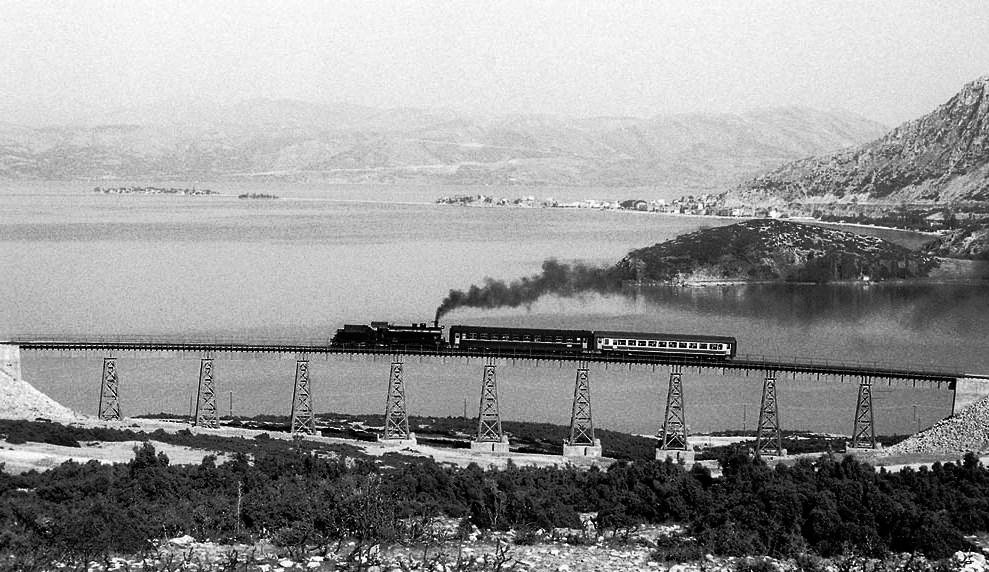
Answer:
(306, 503)
(773, 250)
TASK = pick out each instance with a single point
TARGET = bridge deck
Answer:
(874, 371)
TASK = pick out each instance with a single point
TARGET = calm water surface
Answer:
(77, 263)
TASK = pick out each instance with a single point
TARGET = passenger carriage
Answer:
(717, 347)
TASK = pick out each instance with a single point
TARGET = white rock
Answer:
(971, 561)
(183, 540)
(286, 563)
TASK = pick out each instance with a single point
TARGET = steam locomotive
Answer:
(573, 342)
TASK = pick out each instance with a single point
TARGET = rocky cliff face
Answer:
(971, 242)
(772, 250)
(289, 140)
(940, 158)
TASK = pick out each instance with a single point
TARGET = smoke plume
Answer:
(556, 278)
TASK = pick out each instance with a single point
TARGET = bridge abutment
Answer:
(967, 391)
(10, 360)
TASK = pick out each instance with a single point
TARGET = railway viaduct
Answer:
(489, 437)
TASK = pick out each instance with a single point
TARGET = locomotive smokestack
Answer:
(436, 320)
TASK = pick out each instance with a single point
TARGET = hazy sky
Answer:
(889, 61)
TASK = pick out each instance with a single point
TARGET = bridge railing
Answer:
(856, 365)
(799, 365)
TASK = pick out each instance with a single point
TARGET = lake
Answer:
(77, 263)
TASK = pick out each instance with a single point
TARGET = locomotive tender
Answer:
(574, 342)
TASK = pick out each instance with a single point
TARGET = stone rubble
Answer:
(967, 431)
(20, 400)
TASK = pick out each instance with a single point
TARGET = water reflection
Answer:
(959, 308)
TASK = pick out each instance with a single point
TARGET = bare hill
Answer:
(941, 158)
(291, 140)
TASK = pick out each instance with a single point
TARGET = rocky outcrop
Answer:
(940, 158)
(971, 242)
(772, 250)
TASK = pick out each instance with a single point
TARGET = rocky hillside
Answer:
(290, 140)
(772, 250)
(970, 242)
(940, 158)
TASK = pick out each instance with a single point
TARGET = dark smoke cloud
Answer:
(556, 278)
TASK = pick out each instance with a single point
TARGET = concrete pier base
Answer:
(772, 457)
(398, 443)
(592, 451)
(968, 390)
(677, 455)
(10, 360)
(849, 450)
(490, 446)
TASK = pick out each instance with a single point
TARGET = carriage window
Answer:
(661, 344)
(504, 336)
(703, 346)
(527, 338)
(620, 342)
(642, 342)
(652, 344)
(693, 346)
(715, 346)
(682, 345)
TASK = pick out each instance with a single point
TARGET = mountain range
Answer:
(939, 159)
(297, 141)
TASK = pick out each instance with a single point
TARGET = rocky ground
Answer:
(503, 553)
